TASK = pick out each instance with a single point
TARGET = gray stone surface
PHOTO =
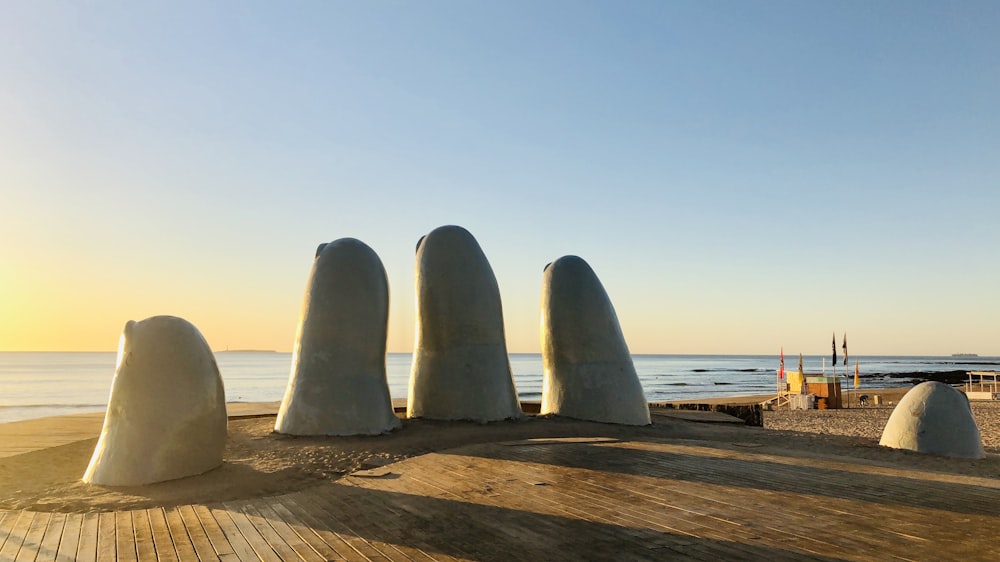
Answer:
(934, 418)
(460, 365)
(166, 415)
(588, 370)
(337, 384)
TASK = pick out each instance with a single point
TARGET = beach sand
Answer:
(260, 463)
(867, 422)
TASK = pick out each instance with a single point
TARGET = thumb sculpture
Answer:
(337, 385)
(460, 366)
(166, 415)
(588, 372)
(934, 418)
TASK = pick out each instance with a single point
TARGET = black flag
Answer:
(844, 347)
(835, 349)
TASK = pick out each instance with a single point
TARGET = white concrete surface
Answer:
(588, 372)
(460, 365)
(934, 418)
(166, 416)
(337, 384)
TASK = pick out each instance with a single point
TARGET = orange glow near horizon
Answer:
(44, 309)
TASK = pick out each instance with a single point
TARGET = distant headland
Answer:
(965, 355)
(227, 350)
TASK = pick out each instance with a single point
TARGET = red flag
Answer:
(781, 372)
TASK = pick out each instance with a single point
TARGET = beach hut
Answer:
(825, 389)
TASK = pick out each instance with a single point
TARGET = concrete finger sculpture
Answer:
(337, 384)
(166, 415)
(460, 366)
(588, 372)
(934, 418)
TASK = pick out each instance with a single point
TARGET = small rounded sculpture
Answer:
(337, 384)
(166, 415)
(460, 366)
(934, 418)
(588, 372)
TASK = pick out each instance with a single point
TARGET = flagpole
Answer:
(779, 376)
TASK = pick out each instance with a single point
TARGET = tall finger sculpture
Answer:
(337, 385)
(588, 372)
(460, 366)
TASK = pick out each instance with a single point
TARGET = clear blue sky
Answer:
(741, 175)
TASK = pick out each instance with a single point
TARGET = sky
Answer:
(743, 176)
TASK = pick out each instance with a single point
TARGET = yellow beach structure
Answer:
(825, 389)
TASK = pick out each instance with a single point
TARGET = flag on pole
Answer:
(844, 347)
(857, 381)
(781, 371)
(835, 349)
(802, 376)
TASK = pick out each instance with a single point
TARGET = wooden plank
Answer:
(303, 529)
(370, 513)
(70, 540)
(273, 539)
(731, 502)
(107, 545)
(16, 535)
(624, 509)
(33, 538)
(234, 537)
(87, 550)
(302, 548)
(637, 528)
(366, 513)
(125, 537)
(314, 504)
(725, 541)
(7, 519)
(178, 535)
(163, 544)
(337, 543)
(215, 533)
(434, 517)
(764, 500)
(634, 511)
(145, 548)
(648, 499)
(537, 525)
(250, 532)
(49, 546)
(719, 517)
(202, 546)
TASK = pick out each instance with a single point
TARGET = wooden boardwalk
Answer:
(558, 499)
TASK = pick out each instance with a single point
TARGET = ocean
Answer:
(34, 385)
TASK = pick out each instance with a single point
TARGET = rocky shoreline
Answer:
(947, 377)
